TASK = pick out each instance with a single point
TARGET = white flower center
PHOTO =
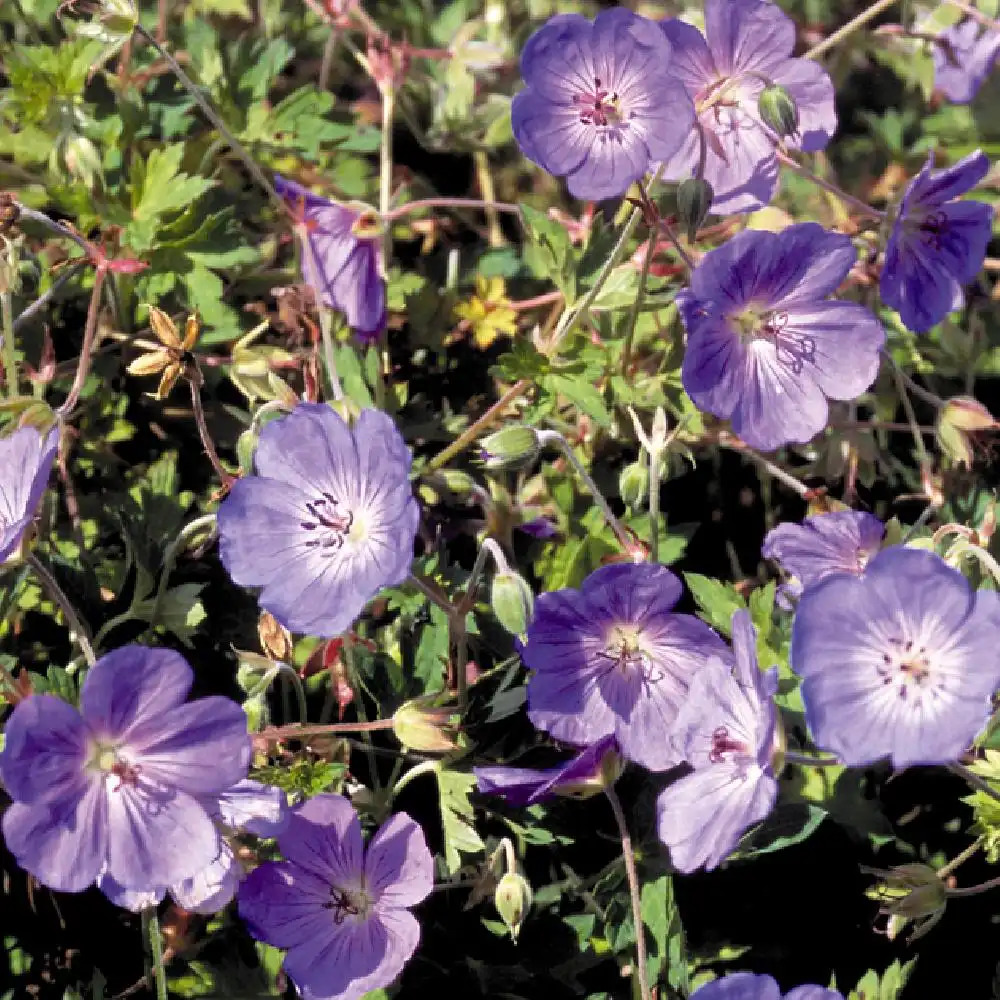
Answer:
(349, 902)
(624, 649)
(906, 666)
(600, 107)
(329, 522)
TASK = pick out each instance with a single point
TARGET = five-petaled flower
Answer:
(601, 103)
(765, 348)
(900, 662)
(964, 55)
(328, 520)
(726, 731)
(586, 774)
(340, 256)
(118, 788)
(747, 45)
(613, 658)
(937, 244)
(839, 542)
(748, 986)
(341, 911)
(26, 458)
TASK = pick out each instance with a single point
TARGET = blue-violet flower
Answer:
(747, 986)
(340, 247)
(900, 662)
(747, 45)
(118, 787)
(765, 347)
(26, 458)
(328, 520)
(726, 731)
(937, 244)
(613, 658)
(341, 912)
(601, 103)
(964, 55)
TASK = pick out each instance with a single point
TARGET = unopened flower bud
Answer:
(513, 900)
(911, 892)
(514, 447)
(694, 199)
(246, 445)
(957, 423)
(633, 483)
(512, 602)
(457, 482)
(421, 725)
(778, 110)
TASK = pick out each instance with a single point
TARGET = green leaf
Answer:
(888, 986)
(61, 684)
(158, 185)
(716, 600)
(578, 390)
(460, 834)
(548, 251)
(661, 916)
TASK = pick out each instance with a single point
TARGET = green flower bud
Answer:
(633, 483)
(246, 444)
(513, 900)
(778, 110)
(512, 602)
(421, 725)
(694, 199)
(457, 482)
(911, 892)
(513, 447)
(959, 420)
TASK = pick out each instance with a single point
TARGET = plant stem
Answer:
(9, 355)
(973, 890)
(804, 760)
(628, 855)
(848, 29)
(156, 950)
(385, 169)
(961, 858)
(58, 228)
(856, 203)
(333, 729)
(976, 15)
(735, 444)
(654, 505)
(213, 116)
(326, 333)
(477, 427)
(433, 595)
(911, 417)
(87, 348)
(640, 294)
(46, 297)
(422, 203)
(170, 560)
(424, 767)
(196, 380)
(555, 438)
(970, 776)
(77, 629)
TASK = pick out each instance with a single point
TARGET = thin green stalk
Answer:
(804, 760)
(654, 505)
(294, 732)
(385, 169)
(961, 858)
(628, 855)
(326, 332)
(213, 116)
(9, 355)
(856, 203)
(555, 438)
(640, 294)
(170, 561)
(911, 417)
(425, 767)
(848, 29)
(77, 629)
(156, 950)
(67, 274)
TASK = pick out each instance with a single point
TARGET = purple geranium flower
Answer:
(747, 986)
(248, 806)
(26, 458)
(937, 244)
(613, 658)
(725, 730)
(765, 348)
(601, 104)
(900, 662)
(747, 44)
(118, 787)
(963, 56)
(341, 911)
(839, 542)
(328, 520)
(584, 775)
(340, 246)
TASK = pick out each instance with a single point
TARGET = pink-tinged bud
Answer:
(421, 725)
(968, 414)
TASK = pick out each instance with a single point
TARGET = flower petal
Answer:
(747, 35)
(399, 869)
(323, 837)
(213, 887)
(282, 904)
(259, 809)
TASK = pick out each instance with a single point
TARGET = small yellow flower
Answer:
(488, 313)
(171, 357)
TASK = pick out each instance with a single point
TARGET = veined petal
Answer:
(323, 837)
(747, 35)
(399, 868)
(556, 60)
(282, 904)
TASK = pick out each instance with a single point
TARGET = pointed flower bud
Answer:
(421, 725)
(513, 601)
(958, 421)
(694, 199)
(778, 110)
(514, 447)
(633, 483)
(513, 900)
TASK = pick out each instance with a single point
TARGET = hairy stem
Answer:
(7, 335)
(640, 294)
(46, 297)
(156, 951)
(628, 855)
(87, 348)
(848, 29)
(848, 199)
(274, 733)
(196, 381)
